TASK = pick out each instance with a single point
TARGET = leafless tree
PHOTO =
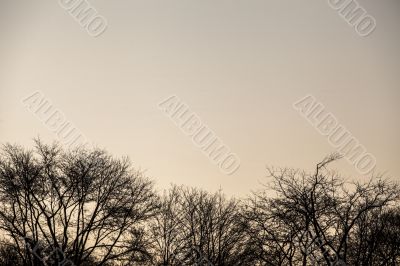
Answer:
(82, 205)
(199, 228)
(166, 229)
(314, 217)
(376, 239)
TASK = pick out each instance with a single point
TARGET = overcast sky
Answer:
(239, 65)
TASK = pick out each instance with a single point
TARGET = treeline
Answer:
(85, 207)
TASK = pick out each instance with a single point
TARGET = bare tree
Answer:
(84, 207)
(80, 205)
(199, 228)
(166, 229)
(314, 216)
(376, 239)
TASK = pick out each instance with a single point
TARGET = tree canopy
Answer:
(86, 207)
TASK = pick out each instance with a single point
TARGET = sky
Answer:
(238, 65)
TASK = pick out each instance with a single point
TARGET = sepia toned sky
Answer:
(239, 65)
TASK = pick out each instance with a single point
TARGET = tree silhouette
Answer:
(197, 227)
(315, 217)
(84, 207)
(76, 204)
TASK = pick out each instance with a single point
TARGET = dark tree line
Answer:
(85, 207)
